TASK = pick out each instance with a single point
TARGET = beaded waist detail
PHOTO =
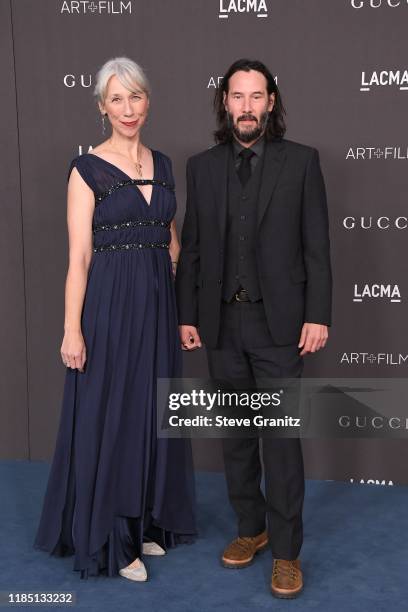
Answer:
(126, 224)
(132, 245)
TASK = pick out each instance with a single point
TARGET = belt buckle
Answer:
(237, 295)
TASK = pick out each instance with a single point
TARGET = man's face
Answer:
(248, 105)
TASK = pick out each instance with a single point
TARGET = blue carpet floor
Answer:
(355, 554)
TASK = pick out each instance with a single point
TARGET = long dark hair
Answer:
(275, 127)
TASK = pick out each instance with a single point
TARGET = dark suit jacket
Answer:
(292, 243)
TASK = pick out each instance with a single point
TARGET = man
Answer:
(254, 284)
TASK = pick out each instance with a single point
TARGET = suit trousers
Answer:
(246, 352)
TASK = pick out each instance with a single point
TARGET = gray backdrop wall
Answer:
(341, 67)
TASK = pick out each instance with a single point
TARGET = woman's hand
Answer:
(73, 350)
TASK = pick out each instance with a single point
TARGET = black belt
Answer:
(242, 296)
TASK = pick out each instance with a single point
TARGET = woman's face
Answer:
(126, 110)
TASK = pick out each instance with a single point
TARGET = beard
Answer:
(250, 134)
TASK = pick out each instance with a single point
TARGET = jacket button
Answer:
(219, 281)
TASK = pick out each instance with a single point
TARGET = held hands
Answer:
(189, 337)
(73, 350)
(313, 337)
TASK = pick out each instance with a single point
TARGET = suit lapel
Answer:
(275, 156)
(218, 168)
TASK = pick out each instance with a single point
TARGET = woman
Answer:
(117, 492)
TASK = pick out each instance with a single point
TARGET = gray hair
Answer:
(130, 74)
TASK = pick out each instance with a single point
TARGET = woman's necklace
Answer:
(137, 163)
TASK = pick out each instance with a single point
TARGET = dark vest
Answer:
(240, 268)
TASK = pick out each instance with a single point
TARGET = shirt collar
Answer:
(257, 147)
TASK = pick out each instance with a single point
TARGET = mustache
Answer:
(247, 118)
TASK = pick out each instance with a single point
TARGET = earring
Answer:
(103, 124)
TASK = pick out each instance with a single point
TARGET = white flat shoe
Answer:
(137, 574)
(151, 548)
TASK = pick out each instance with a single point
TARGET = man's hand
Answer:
(313, 337)
(189, 337)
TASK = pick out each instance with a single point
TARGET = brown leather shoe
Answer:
(240, 553)
(287, 580)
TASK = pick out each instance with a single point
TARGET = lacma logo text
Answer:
(256, 7)
(384, 78)
(377, 291)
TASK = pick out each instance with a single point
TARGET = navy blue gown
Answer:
(113, 483)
